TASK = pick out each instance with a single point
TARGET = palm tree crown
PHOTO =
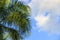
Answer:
(14, 19)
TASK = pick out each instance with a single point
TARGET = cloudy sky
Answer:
(45, 20)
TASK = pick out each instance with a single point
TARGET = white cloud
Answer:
(50, 22)
(41, 19)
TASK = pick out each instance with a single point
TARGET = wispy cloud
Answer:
(48, 22)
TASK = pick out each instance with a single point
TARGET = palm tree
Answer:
(14, 20)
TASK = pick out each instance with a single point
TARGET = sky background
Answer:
(45, 19)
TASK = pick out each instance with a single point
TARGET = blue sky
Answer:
(45, 19)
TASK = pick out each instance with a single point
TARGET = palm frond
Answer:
(2, 2)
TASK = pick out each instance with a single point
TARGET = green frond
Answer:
(15, 35)
(2, 2)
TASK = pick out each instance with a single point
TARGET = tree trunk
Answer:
(1, 32)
